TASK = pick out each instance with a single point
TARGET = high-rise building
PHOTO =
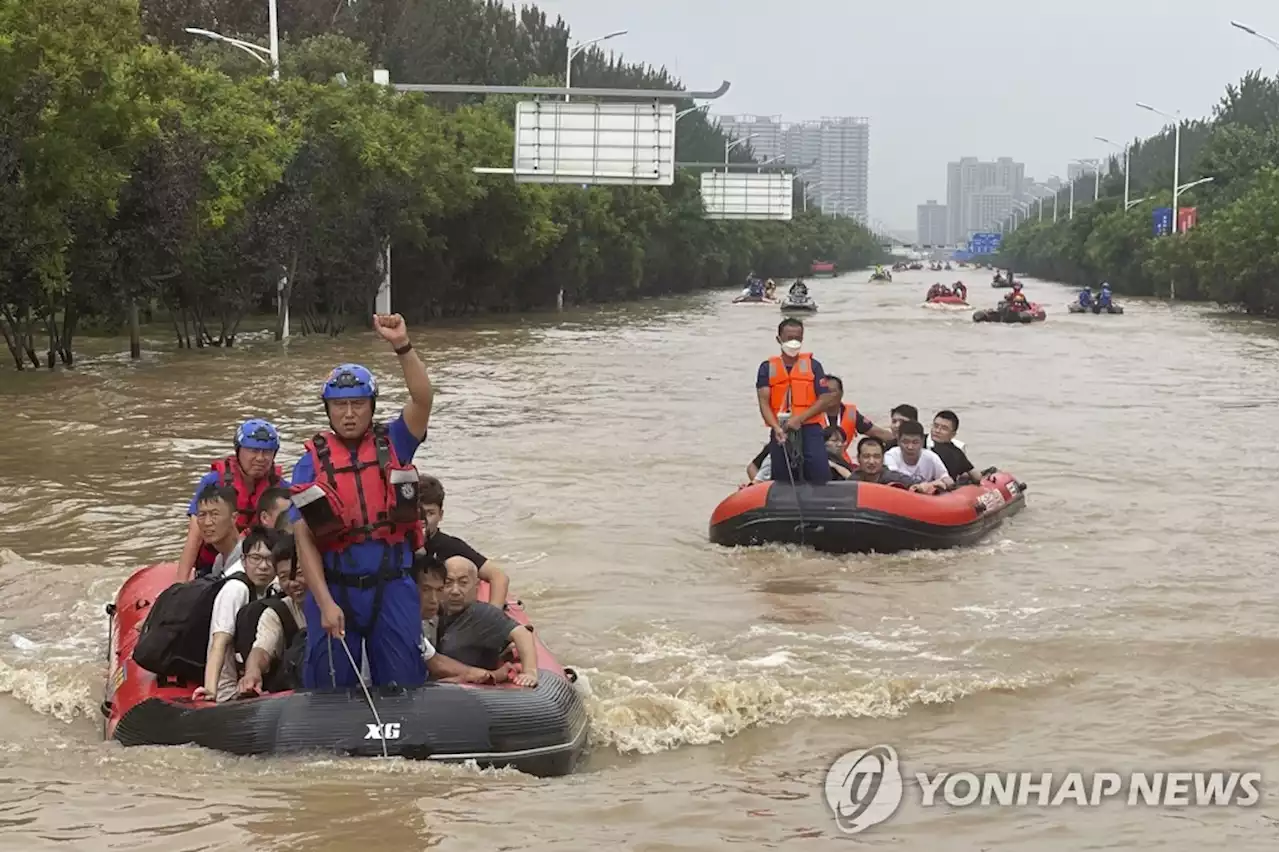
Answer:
(975, 189)
(832, 154)
(1075, 171)
(931, 224)
(843, 152)
(988, 208)
(766, 132)
(802, 145)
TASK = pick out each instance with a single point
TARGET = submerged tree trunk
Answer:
(10, 340)
(135, 334)
(26, 336)
(70, 317)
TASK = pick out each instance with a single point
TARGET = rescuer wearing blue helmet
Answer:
(355, 496)
(251, 470)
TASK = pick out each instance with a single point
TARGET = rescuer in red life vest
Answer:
(794, 384)
(251, 470)
(1016, 300)
(355, 497)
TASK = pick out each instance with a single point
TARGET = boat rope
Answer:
(786, 453)
(367, 697)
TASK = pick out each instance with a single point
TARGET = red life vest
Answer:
(359, 495)
(246, 500)
(792, 390)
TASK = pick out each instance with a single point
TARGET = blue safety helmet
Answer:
(257, 434)
(350, 381)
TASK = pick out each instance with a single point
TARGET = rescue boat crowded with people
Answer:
(830, 478)
(328, 612)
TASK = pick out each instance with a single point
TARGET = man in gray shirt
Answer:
(477, 635)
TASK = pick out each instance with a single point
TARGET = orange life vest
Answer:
(849, 425)
(359, 495)
(246, 500)
(792, 391)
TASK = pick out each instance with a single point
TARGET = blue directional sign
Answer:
(984, 243)
(1162, 221)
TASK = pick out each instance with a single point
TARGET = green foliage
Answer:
(145, 167)
(1229, 257)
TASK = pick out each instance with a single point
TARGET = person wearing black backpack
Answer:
(249, 580)
(271, 632)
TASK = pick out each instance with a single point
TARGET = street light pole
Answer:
(805, 187)
(1125, 149)
(1253, 32)
(682, 113)
(1071, 202)
(729, 146)
(1177, 155)
(273, 35)
(578, 48)
(256, 51)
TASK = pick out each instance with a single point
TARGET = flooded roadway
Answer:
(1127, 620)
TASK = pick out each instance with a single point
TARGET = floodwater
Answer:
(1126, 621)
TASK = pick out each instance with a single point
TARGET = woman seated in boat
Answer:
(960, 291)
(761, 467)
(835, 440)
(937, 291)
(770, 289)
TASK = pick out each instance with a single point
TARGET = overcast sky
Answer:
(940, 79)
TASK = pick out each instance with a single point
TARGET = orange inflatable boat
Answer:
(861, 517)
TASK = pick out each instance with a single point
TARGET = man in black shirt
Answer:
(942, 441)
(476, 635)
(442, 545)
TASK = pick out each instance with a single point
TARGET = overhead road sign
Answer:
(748, 195)
(620, 144)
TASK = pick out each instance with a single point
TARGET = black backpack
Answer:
(286, 674)
(247, 631)
(174, 640)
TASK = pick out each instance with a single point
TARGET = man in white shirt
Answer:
(247, 580)
(912, 460)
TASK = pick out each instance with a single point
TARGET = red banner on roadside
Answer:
(1186, 219)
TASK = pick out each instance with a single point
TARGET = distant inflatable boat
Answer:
(540, 731)
(860, 517)
(1077, 308)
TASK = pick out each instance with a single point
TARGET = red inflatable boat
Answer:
(1001, 313)
(861, 517)
(542, 731)
(822, 267)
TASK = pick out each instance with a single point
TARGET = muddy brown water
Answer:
(1127, 620)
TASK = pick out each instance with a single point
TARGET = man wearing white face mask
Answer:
(794, 396)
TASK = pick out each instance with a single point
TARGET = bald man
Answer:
(477, 635)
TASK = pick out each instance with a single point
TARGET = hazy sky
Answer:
(940, 79)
